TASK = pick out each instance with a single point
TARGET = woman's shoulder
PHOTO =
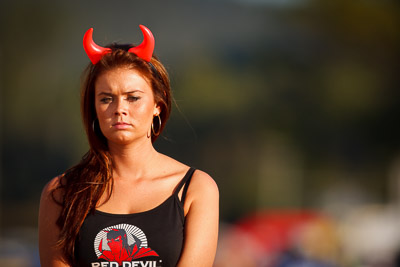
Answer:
(53, 183)
(49, 212)
(203, 184)
(50, 191)
(202, 195)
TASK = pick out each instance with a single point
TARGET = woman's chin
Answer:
(126, 139)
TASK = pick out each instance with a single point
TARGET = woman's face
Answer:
(125, 106)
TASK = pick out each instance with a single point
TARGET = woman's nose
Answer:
(120, 108)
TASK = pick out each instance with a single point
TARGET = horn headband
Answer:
(96, 52)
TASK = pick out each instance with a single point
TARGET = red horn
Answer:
(146, 48)
(94, 52)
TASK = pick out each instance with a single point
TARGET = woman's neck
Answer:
(133, 161)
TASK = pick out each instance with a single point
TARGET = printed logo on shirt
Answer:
(123, 245)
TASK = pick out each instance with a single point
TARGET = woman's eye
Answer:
(106, 100)
(132, 98)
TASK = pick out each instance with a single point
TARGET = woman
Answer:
(125, 204)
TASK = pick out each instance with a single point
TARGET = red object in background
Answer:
(274, 231)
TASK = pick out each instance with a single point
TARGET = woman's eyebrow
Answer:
(134, 91)
(105, 93)
(124, 93)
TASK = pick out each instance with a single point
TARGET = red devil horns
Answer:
(95, 52)
(146, 48)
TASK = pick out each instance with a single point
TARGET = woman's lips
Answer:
(121, 125)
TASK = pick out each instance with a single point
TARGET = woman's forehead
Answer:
(120, 80)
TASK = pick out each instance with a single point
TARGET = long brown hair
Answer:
(82, 186)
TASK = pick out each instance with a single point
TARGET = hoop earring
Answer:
(94, 125)
(159, 126)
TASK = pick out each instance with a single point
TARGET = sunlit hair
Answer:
(82, 186)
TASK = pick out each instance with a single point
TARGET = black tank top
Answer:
(145, 239)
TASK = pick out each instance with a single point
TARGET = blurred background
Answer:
(291, 105)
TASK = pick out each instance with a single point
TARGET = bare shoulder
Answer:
(52, 184)
(203, 183)
(202, 189)
(47, 192)
(51, 199)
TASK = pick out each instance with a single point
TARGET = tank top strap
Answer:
(184, 182)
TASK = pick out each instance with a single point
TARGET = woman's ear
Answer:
(157, 110)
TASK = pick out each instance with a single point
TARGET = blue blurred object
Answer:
(295, 259)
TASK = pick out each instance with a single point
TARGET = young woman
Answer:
(125, 204)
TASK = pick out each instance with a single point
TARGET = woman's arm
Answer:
(201, 224)
(48, 230)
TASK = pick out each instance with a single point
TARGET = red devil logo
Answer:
(120, 250)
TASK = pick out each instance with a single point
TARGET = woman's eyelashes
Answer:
(132, 98)
(106, 100)
(110, 99)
